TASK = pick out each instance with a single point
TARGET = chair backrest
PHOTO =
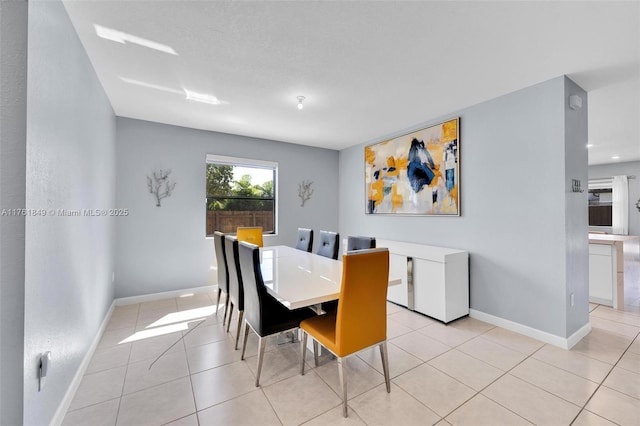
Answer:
(250, 234)
(221, 260)
(236, 290)
(254, 291)
(360, 243)
(328, 244)
(305, 239)
(362, 312)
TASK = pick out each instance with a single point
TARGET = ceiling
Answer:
(368, 70)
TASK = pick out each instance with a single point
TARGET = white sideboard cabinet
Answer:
(435, 280)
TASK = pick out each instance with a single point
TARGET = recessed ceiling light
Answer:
(300, 104)
(615, 157)
(123, 38)
(589, 145)
(204, 98)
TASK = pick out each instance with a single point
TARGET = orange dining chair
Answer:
(250, 234)
(361, 319)
(353, 243)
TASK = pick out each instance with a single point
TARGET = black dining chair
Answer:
(305, 239)
(263, 313)
(223, 271)
(328, 244)
(360, 243)
(236, 289)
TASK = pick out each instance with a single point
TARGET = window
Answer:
(600, 206)
(609, 204)
(240, 192)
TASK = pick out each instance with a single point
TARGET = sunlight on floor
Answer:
(172, 323)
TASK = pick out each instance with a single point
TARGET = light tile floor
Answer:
(466, 373)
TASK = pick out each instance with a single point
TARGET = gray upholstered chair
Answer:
(305, 239)
(223, 271)
(360, 243)
(328, 244)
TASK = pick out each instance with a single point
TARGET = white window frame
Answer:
(258, 164)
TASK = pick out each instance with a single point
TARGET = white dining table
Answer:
(298, 279)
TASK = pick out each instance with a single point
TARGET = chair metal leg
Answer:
(342, 372)
(315, 352)
(230, 315)
(246, 337)
(261, 345)
(385, 364)
(218, 300)
(240, 316)
(303, 348)
(226, 306)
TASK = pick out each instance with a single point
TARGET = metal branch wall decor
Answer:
(159, 185)
(305, 191)
(638, 205)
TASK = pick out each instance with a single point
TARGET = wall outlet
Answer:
(572, 299)
(113, 276)
(43, 368)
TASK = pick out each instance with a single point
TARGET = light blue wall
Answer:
(70, 165)
(576, 208)
(631, 168)
(164, 248)
(513, 203)
(13, 142)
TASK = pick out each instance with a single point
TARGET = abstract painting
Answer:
(415, 174)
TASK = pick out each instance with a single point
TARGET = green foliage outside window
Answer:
(223, 193)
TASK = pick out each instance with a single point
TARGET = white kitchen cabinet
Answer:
(607, 257)
(603, 274)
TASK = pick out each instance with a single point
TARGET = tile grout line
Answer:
(533, 384)
(271, 405)
(126, 371)
(464, 384)
(531, 355)
(604, 380)
(497, 378)
(193, 392)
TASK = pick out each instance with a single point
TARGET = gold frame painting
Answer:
(415, 174)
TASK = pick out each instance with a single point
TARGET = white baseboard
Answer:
(164, 295)
(534, 333)
(58, 417)
(578, 335)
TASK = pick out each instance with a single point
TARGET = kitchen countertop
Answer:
(611, 238)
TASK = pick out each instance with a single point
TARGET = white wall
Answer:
(13, 128)
(164, 248)
(70, 165)
(514, 204)
(631, 168)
